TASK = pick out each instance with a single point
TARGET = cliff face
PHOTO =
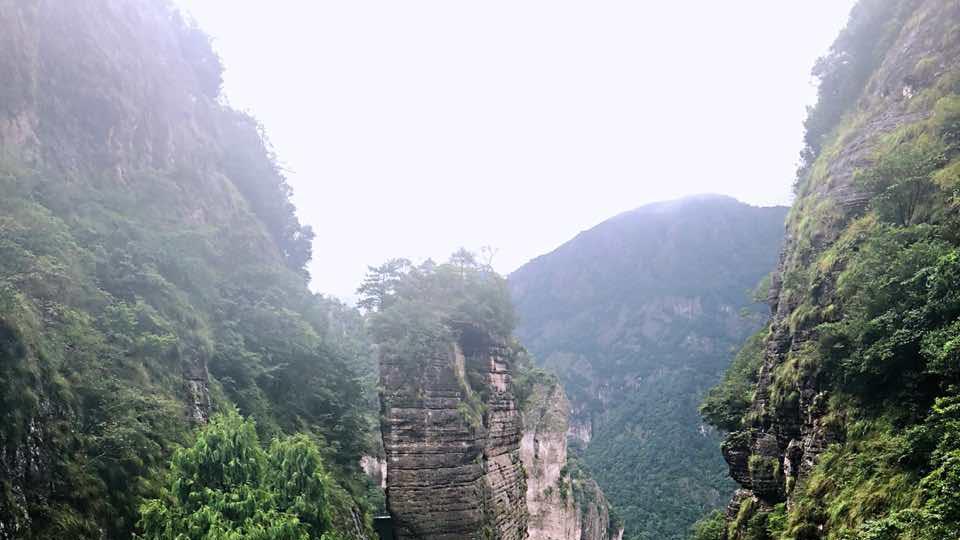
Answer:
(150, 268)
(637, 317)
(563, 503)
(809, 401)
(451, 433)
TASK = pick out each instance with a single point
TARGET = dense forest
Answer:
(842, 412)
(166, 373)
(638, 317)
(152, 278)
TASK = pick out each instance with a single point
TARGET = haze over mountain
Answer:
(166, 372)
(638, 317)
(429, 118)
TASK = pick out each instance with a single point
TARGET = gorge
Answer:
(168, 373)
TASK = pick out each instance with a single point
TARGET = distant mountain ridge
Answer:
(638, 316)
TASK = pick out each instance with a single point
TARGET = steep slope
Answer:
(639, 316)
(564, 503)
(150, 272)
(449, 418)
(844, 411)
(451, 475)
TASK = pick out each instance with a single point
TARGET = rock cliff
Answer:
(801, 406)
(451, 433)
(563, 502)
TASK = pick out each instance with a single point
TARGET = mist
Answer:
(417, 128)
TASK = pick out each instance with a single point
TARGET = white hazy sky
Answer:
(411, 128)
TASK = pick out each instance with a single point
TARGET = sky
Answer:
(413, 128)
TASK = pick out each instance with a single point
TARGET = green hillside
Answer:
(843, 413)
(639, 316)
(151, 276)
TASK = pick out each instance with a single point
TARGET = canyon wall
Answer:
(563, 502)
(451, 432)
(808, 401)
(152, 268)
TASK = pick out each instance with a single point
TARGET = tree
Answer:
(380, 284)
(226, 486)
(250, 163)
(711, 527)
(417, 306)
(844, 70)
(463, 260)
(901, 182)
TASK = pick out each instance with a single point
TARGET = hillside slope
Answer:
(638, 316)
(151, 273)
(843, 411)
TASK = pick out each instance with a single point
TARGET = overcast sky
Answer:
(411, 128)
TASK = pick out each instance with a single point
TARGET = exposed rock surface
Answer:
(452, 446)
(376, 469)
(560, 507)
(781, 447)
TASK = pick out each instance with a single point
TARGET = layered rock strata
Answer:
(781, 445)
(451, 433)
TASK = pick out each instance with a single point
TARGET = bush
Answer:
(227, 486)
(710, 527)
(901, 181)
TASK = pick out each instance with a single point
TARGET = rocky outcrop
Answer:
(451, 433)
(197, 381)
(785, 438)
(563, 502)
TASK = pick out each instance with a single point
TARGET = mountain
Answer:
(152, 278)
(638, 317)
(844, 410)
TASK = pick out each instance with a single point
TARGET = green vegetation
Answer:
(901, 181)
(419, 312)
(576, 483)
(844, 71)
(726, 403)
(227, 486)
(149, 277)
(711, 527)
(414, 306)
(638, 317)
(875, 299)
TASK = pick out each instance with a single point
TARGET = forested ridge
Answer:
(152, 279)
(842, 412)
(638, 317)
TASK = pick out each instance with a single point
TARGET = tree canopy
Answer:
(228, 487)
